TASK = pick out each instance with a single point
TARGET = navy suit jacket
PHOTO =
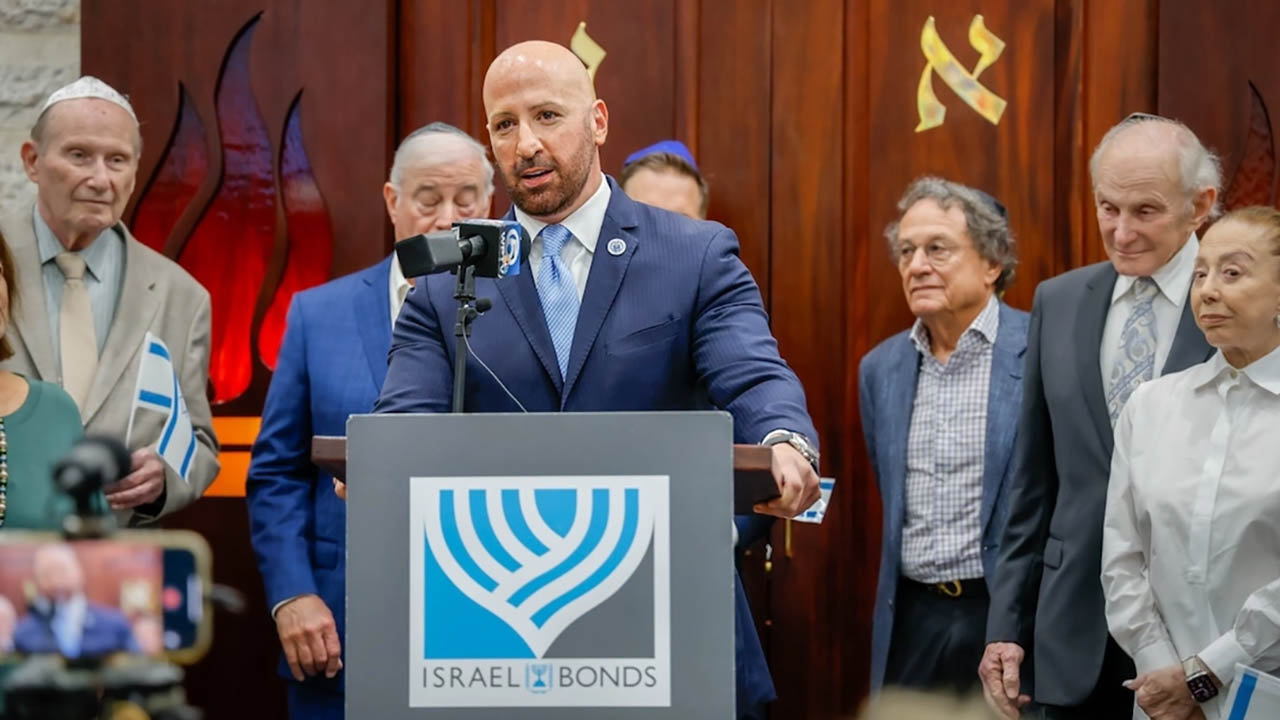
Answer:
(886, 395)
(106, 630)
(675, 313)
(331, 364)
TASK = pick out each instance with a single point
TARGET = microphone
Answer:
(90, 464)
(494, 248)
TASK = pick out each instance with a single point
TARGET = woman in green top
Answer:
(38, 424)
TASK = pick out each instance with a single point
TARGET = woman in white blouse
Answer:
(1191, 538)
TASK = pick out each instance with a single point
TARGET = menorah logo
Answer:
(571, 573)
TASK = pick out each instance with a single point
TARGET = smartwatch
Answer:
(1202, 684)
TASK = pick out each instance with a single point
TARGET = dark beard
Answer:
(558, 194)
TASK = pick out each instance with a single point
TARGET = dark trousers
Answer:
(937, 640)
(1109, 698)
(307, 702)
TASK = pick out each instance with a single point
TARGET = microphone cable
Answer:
(466, 340)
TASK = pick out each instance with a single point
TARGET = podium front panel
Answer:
(566, 565)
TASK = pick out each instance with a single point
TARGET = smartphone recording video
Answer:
(141, 593)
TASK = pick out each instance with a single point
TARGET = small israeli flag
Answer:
(1254, 696)
(158, 390)
(818, 510)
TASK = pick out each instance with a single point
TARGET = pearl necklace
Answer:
(4, 472)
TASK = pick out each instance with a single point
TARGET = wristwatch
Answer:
(795, 440)
(1202, 684)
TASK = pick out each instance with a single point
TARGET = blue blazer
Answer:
(332, 362)
(886, 395)
(674, 313)
(106, 630)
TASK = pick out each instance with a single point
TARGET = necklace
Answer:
(4, 472)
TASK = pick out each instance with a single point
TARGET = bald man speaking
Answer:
(624, 307)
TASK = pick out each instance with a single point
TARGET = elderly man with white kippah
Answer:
(90, 294)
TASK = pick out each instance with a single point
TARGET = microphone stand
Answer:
(469, 308)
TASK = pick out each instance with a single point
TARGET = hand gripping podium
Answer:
(562, 565)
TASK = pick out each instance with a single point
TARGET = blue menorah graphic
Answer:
(538, 558)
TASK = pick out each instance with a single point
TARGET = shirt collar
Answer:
(584, 223)
(95, 256)
(400, 287)
(985, 326)
(1173, 278)
(1264, 372)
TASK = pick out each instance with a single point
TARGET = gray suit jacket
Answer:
(1048, 592)
(155, 295)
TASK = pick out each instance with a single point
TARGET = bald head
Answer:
(546, 127)
(541, 63)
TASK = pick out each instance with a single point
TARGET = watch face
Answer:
(1201, 687)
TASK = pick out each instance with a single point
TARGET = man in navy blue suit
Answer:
(62, 620)
(331, 365)
(939, 405)
(623, 306)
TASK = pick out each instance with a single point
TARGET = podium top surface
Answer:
(752, 468)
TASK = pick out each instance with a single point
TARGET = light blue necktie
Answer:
(1137, 359)
(558, 293)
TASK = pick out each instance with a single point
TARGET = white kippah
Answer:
(88, 87)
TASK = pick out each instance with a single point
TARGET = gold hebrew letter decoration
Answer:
(963, 82)
(587, 49)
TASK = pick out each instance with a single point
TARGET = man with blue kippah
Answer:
(665, 176)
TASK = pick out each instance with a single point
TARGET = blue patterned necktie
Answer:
(1135, 364)
(558, 293)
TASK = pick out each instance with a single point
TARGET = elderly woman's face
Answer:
(1235, 289)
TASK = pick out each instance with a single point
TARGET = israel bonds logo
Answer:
(539, 591)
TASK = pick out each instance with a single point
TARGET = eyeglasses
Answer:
(936, 252)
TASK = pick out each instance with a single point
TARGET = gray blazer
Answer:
(886, 395)
(1048, 593)
(156, 295)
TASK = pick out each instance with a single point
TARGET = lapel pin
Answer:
(617, 246)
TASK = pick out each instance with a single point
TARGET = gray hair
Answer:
(985, 221)
(439, 128)
(1198, 167)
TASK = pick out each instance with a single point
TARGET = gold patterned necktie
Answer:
(77, 340)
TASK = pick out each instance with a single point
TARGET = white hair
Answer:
(1198, 167)
(405, 152)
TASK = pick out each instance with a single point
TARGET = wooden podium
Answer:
(752, 464)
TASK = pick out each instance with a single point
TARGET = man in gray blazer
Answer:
(939, 413)
(90, 293)
(1096, 333)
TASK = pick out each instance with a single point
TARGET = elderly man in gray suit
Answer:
(90, 293)
(1096, 333)
(939, 412)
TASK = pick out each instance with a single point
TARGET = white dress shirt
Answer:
(946, 447)
(399, 288)
(585, 224)
(1174, 281)
(1191, 538)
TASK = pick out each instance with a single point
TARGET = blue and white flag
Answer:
(818, 510)
(158, 390)
(1254, 696)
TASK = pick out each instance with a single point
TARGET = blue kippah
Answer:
(675, 147)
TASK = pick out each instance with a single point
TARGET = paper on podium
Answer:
(1254, 695)
(818, 510)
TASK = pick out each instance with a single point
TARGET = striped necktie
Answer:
(558, 294)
